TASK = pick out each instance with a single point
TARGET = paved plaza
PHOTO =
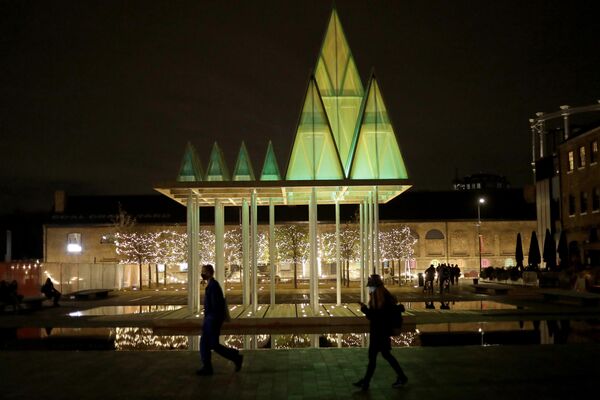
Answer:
(559, 371)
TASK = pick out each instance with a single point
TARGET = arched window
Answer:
(434, 234)
(434, 244)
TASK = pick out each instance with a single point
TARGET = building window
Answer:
(74, 243)
(583, 203)
(571, 205)
(594, 152)
(571, 161)
(107, 238)
(596, 199)
(581, 157)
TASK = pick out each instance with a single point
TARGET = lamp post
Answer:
(479, 203)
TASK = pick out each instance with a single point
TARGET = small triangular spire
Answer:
(217, 168)
(270, 169)
(314, 155)
(340, 85)
(243, 170)
(377, 153)
(191, 168)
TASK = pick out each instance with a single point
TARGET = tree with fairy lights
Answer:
(397, 244)
(137, 248)
(172, 249)
(349, 249)
(292, 246)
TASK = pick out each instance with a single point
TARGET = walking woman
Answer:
(379, 313)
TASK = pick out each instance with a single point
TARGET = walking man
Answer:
(214, 315)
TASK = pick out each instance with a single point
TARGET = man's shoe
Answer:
(204, 372)
(238, 363)
(400, 381)
(361, 384)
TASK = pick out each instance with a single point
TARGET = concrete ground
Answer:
(473, 372)
(458, 372)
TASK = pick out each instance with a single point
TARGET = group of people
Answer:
(378, 311)
(9, 294)
(444, 274)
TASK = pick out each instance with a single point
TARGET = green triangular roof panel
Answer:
(217, 168)
(377, 154)
(243, 170)
(314, 155)
(270, 170)
(191, 168)
(340, 85)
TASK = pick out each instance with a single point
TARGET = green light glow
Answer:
(243, 167)
(377, 154)
(341, 87)
(314, 155)
(217, 168)
(191, 168)
(270, 170)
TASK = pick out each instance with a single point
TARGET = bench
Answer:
(27, 303)
(486, 289)
(571, 297)
(88, 293)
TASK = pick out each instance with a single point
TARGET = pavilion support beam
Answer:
(220, 244)
(245, 252)
(338, 258)
(361, 223)
(193, 229)
(314, 269)
(272, 250)
(254, 246)
(370, 234)
(378, 266)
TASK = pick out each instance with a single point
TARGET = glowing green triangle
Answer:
(217, 168)
(314, 155)
(270, 170)
(341, 87)
(191, 168)
(243, 167)
(377, 154)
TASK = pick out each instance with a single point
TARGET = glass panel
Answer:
(243, 167)
(341, 87)
(270, 170)
(377, 153)
(191, 169)
(217, 168)
(314, 155)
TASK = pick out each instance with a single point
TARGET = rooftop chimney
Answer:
(59, 201)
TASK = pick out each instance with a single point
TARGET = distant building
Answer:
(580, 194)
(567, 178)
(444, 224)
(481, 181)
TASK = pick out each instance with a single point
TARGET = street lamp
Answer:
(479, 203)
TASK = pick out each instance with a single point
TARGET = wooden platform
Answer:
(487, 288)
(571, 297)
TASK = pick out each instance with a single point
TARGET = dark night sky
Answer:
(100, 97)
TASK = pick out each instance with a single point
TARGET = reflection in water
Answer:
(144, 339)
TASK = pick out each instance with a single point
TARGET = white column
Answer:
(369, 235)
(254, 242)
(338, 260)
(361, 224)
(220, 244)
(245, 252)
(314, 268)
(193, 228)
(272, 249)
(378, 266)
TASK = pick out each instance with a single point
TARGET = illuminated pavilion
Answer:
(345, 151)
